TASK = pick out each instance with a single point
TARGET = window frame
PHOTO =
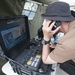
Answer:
(35, 5)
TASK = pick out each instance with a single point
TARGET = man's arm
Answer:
(45, 55)
(48, 32)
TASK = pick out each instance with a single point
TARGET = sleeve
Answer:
(62, 53)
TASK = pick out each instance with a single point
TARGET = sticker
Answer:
(31, 58)
(29, 62)
(38, 56)
(33, 63)
(35, 59)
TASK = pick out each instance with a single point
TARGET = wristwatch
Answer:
(44, 42)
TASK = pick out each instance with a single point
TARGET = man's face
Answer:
(61, 29)
(64, 27)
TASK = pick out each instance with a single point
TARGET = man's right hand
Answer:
(47, 30)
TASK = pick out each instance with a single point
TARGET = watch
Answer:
(44, 42)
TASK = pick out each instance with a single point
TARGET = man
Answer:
(65, 49)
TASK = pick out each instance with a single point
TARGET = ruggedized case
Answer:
(9, 48)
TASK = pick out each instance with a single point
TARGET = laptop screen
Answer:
(14, 34)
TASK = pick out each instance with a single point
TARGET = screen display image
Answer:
(13, 35)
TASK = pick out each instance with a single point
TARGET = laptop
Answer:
(16, 44)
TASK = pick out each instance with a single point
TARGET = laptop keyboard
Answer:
(30, 58)
(24, 56)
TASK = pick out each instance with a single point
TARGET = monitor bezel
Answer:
(18, 47)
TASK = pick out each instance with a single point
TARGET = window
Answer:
(30, 9)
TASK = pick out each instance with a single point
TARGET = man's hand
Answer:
(47, 29)
(52, 45)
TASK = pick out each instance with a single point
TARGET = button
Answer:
(38, 56)
(29, 62)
